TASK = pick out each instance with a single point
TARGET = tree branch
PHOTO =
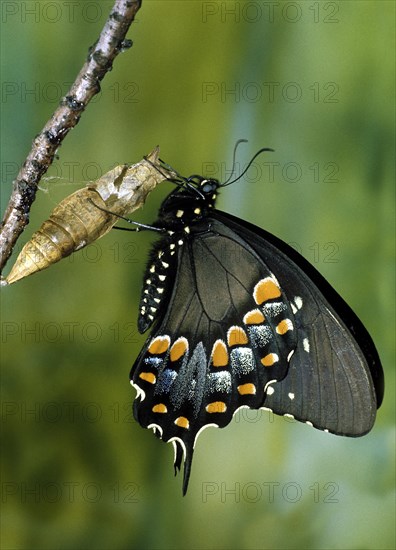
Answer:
(87, 84)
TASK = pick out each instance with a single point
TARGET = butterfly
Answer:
(240, 319)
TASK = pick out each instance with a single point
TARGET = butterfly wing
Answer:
(250, 323)
(226, 335)
(335, 380)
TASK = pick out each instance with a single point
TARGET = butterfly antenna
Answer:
(163, 165)
(234, 157)
(248, 166)
(180, 181)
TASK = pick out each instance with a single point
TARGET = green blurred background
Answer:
(314, 81)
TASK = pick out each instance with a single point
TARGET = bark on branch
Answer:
(99, 61)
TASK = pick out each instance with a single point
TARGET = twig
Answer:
(100, 60)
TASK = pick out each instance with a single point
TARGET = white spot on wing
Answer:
(275, 279)
(267, 386)
(242, 360)
(174, 450)
(298, 301)
(260, 335)
(155, 427)
(219, 382)
(291, 395)
(174, 441)
(139, 392)
(306, 345)
(274, 309)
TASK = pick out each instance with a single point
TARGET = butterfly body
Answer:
(240, 319)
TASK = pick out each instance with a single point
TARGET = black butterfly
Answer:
(243, 320)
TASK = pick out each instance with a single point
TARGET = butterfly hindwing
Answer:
(227, 334)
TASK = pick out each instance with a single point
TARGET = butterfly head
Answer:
(192, 199)
(205, 189)
(195, 195)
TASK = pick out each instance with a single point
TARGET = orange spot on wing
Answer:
(236, 336)
(178, 349)
(216, 407)
(266, 289)
(219, 354)
(182, 422)
(159, 345)
(148, 377)
(254, 317)
(160, 408)
(284, 326)
(247, 389)
(269, 359)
